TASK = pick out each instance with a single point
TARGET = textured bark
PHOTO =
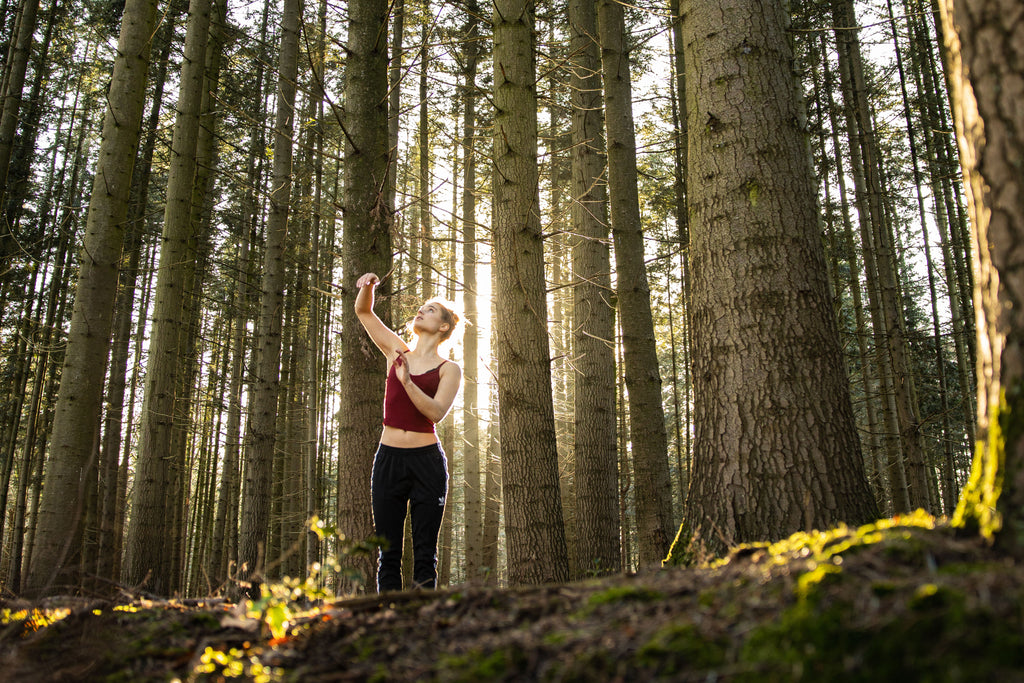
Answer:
(776, 447)
(533, 515)
(58, 545)
(261, 429)
(366, 248)
(986, 64)
(110, 453)
(643, 382)
(150, 530)
(596, 447)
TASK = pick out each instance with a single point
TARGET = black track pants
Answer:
(417, 477)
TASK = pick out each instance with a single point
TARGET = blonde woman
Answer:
(409, 467)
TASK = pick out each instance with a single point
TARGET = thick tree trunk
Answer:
(55, 557)
(366, 248)
(982, 39)
(776, 446)
(533, 515)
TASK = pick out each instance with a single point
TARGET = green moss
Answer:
(624, 594)
(475, 666)
(679, 647)
(939, 639)
(555, 638)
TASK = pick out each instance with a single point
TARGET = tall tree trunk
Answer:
(981, 43)
(879, 247)
(366, 248)
(55, 556)
(110, 451)
(261, 429)
(473, 508)
(596, 448)
(17, 185)
(772, 399)
(643, 381)
(21, 49)
(150, 532)
(871, 396)
(533, 514)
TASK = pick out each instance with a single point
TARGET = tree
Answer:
(980, 41)
(150, 531)
(643, 380)
(10, 108)
(594, 331)
(58, 546)
(261, 429)
(366, 247)
(533, 515)
(470, 415)
(776, 447)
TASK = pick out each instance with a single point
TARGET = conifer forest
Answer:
(729, 270)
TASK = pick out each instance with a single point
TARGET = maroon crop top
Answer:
(399, 410)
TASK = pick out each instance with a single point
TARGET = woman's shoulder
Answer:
(448, 365)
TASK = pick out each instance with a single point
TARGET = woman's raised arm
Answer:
(389, 343)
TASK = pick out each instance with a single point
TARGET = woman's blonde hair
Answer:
(450, 314)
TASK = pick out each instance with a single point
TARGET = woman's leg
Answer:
(427, 500)
(389, 490)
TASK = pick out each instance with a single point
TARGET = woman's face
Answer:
(429, 319)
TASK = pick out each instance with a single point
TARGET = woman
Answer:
(409, 467)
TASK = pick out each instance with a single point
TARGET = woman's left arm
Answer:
(436, 407)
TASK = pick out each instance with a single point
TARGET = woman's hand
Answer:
(368, 280)
(402, 367)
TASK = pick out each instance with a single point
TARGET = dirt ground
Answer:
(887, 602)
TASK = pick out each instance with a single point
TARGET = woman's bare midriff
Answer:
(400, 438)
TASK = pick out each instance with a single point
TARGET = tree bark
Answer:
(261, 429)
(150, 532)
(58, 547)
(533, 516)
(596, 446)
(776, 447)
(643, 381)
(366, 248)
(982, 39)
(473, 509)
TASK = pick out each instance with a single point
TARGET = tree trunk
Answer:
(261, 430)
(596, 448)
(366, 248)
(150, 532)
(473, 509)
(21, 49)
(533, 516)
(643, 382)
(980, 39)
(776, 446)
(55, 557)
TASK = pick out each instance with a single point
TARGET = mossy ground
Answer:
(899, 600)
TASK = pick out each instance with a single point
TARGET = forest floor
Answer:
(902, 599)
